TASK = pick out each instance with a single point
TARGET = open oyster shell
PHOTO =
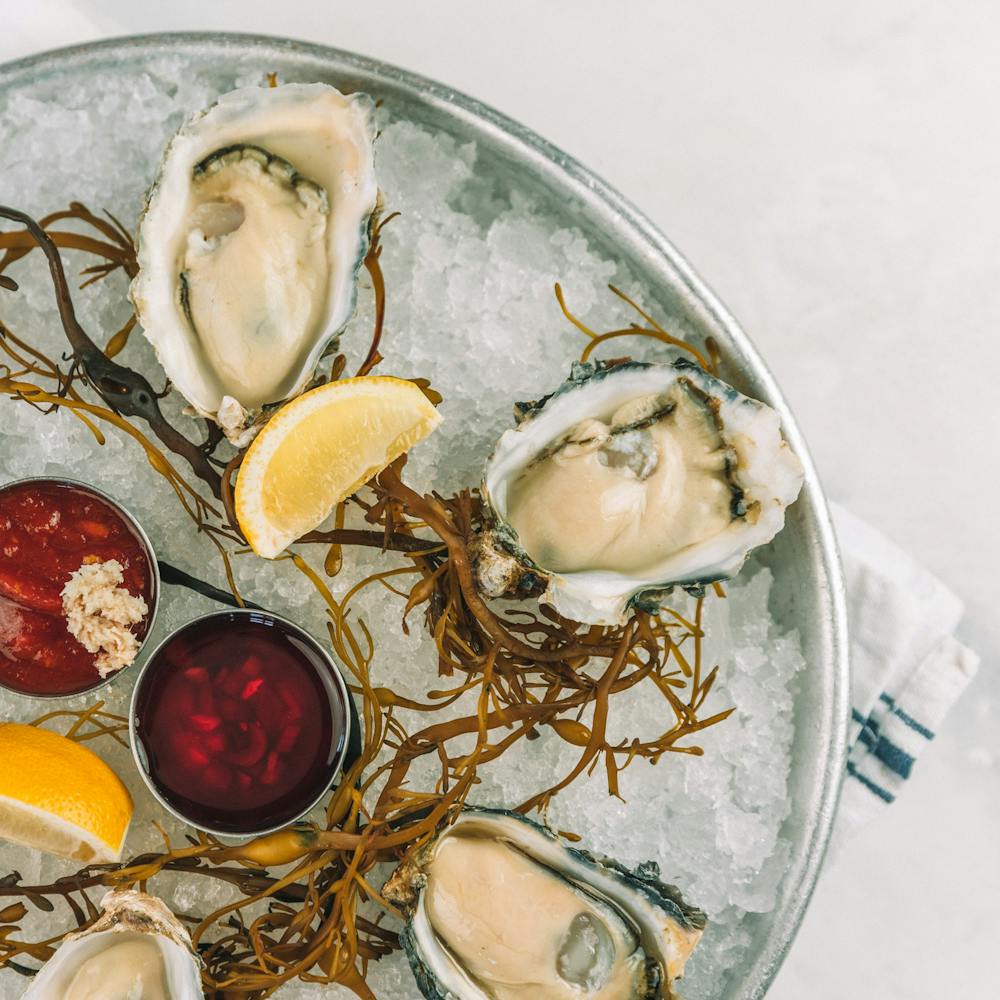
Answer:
(498, 908)
(628, 480)
(250, 245)
(135, 948)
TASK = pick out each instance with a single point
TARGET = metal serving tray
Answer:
(809, 589)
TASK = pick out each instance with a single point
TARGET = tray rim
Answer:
(552, 160)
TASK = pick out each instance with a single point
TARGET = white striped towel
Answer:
(908, 668)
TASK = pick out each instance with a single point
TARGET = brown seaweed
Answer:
(514, 671)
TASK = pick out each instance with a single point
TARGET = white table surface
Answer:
(833, 170)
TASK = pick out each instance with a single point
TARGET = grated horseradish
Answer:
(99, 613)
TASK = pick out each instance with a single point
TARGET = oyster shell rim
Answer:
(126, 911)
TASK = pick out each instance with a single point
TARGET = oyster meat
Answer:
(498, 907)
(136, 948)
(628, 480)
(251, 242)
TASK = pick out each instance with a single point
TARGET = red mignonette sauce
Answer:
(239, 722)
(48, 529)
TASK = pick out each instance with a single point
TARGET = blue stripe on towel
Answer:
(896, 759)
(869, 784)
(868, 735)
(906, 719)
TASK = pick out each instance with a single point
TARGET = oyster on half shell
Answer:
(498, 908)
(136, 948)
(250, 245)
(628, 480)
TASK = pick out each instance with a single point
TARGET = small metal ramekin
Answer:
(335, 671)
(154, 575)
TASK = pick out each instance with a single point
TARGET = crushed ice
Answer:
(470, 267)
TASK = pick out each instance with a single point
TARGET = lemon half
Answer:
(319, 449)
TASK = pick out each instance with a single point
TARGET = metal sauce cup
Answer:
(199, 813)
(152, 599)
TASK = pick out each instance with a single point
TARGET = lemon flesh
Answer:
(59, 797)
(319, 449)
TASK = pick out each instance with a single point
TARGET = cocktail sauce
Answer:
(48, 528)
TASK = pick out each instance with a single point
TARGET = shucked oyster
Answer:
(136, 948)
(499, 909)
(628, 480)
(251, 242)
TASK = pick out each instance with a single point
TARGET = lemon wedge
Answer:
(59, 797)
(319, 449)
